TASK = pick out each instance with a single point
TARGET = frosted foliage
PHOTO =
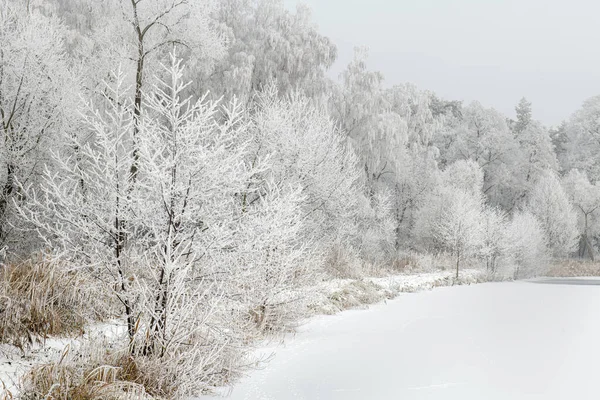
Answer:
(585, 198)
(463, 179)
(538, 151)
(550, 204)
(35, 96)
(496, 242)
(528, 245)
(306, 151)
(582, 142)
(484, 137)
(524, 115)
(274, 263)
(460, 229)
(414, 190)
(464, 175)
(415, 107)
(359, 99)
(138, 35)
(267, 41)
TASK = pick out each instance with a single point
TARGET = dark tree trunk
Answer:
(7, 191)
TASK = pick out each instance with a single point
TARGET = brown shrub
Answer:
(404, 263)
(574, 268)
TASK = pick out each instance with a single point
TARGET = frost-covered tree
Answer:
(550, 204)
(524, 115)
(138, 35)
(560, 141)
(359, 98)
(268, 42)
(528, 245)
(496, 244)
(537, 151)
(582, 142)
(36, 92)
(585, 197)
(381, 126)
(307, 150)
(274, 263)
(464, 175)
(483, 136)
(460, 229)
(450, 216)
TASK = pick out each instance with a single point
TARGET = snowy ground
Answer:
(520, 340)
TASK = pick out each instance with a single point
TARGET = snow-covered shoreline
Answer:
(339, 295)
(342, 294)
(331, 297)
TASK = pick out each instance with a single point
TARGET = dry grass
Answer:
(5, 394)
(68, 379)
(103, 368)
(574, 268)
(39, 299)
(404, 263)
(357, 294)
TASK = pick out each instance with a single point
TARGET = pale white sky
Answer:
(494, 51)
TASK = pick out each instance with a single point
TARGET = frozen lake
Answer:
(521, 340)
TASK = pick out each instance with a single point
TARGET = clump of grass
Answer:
(357, 294)
(80, 377)
(40, 299)
(96, 371)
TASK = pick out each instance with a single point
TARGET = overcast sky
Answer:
(494, 51)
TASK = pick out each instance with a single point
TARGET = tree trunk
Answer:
(139, 81)
(7, 191)
(457, 263)
(158, 322)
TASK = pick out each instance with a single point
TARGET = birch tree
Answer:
(460, 229)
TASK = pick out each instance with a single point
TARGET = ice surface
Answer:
(520, 340)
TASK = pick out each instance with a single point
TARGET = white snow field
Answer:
(518, 340)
